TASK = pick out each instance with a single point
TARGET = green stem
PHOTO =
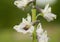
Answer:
(34, 19)
(40, 14)
(33, 15)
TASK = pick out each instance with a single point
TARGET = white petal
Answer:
(39, 29)
(46, 10)
(23, 20)
(16, 27)
(46, 7)
(53, 15)
(31, 29)
(49, 16)
(49, 9)
(43, 37)
(28, 18)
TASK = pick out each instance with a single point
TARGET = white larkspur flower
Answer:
(25, 26)
(21, 3)
(47, 13)
(41, 36)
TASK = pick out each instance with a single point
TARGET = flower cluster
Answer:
(29, 25)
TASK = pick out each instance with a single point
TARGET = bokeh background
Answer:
(10, 15)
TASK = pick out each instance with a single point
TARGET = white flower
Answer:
(47, 13)
(41, 35)
(21, 3)
(25, 26)
(39, 29)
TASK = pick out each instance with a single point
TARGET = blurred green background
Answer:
(10, 15)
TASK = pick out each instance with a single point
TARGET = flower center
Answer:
(26, 27)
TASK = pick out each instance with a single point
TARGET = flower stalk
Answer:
(34, 19)
(31, 24)
(33, 15)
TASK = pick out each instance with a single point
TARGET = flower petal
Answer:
(46, 7)
(31, 29)
(49, 16)
(49, 9)
(39, 29)
(28, 18)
